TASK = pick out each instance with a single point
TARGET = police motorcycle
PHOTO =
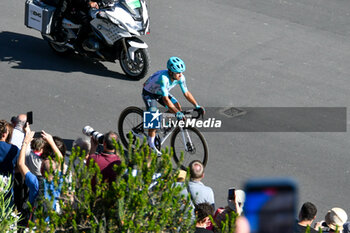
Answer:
(114, 35)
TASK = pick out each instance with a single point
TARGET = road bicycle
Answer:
(184, 138)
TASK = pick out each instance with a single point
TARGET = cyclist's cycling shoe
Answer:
(156, 151)
(159, 154)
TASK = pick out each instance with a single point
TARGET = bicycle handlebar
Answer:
(199, 112)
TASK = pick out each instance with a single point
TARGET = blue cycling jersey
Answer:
(160, 83)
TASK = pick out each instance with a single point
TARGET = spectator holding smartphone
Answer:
(40, 185)
(18, 130)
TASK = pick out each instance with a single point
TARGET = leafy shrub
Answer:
(8, 218)
(133, 203)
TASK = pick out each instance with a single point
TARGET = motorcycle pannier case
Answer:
(38, 16)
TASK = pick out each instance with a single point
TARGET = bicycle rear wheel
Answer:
(131, 120)
(192, 143)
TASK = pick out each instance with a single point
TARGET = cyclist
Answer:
(157, 87)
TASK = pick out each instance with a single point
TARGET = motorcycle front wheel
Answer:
(138, 68)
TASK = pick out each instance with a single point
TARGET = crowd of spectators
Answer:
(27, 158)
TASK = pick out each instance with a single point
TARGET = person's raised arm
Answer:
(94, 145)
(23, 169)
(48, 137)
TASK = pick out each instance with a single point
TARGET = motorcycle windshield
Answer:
(134, 7)
(133, 4)
(132, 14)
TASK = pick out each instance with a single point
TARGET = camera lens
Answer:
(97, 136)
(87, 130)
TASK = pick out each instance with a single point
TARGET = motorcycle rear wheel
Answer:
(61, 50)
(135, 69)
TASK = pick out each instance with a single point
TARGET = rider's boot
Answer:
(59, 35)
(82, 35)
(57, 30)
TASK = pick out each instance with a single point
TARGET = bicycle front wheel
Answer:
(192, 143)
(131, 120)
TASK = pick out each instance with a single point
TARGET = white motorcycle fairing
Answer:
(116, 22)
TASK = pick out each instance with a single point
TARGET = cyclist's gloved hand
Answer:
(179, 115)
(199, 107)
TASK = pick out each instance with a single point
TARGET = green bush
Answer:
(127, 205)
(8, 218)
(227, 226)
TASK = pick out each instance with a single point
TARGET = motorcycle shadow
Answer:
(31, 53)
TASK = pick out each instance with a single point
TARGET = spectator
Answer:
(33, 160)
(19, 188)
(82, 148)
(107, 158)
(181, 178)
(34, 183)
(199, 192)
(334, 220)
(8, 154)
(55, 146)
(203, 210)
(307, 215)
(235, 206)
(18, 130)
(30, 179)
(181, 182)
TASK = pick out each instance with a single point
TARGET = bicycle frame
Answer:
(185, 137)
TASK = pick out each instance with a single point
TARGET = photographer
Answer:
(107, 158)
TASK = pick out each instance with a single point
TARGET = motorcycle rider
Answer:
(157, 87)
(78, 12)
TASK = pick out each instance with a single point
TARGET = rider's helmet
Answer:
(176, 65)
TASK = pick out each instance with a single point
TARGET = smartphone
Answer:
(231, 193)
(270, 205)
(30, 117)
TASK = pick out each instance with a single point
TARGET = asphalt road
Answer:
(271, 53)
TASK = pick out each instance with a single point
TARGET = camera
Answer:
(97, 136)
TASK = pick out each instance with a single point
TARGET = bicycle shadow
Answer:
(30, 53)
